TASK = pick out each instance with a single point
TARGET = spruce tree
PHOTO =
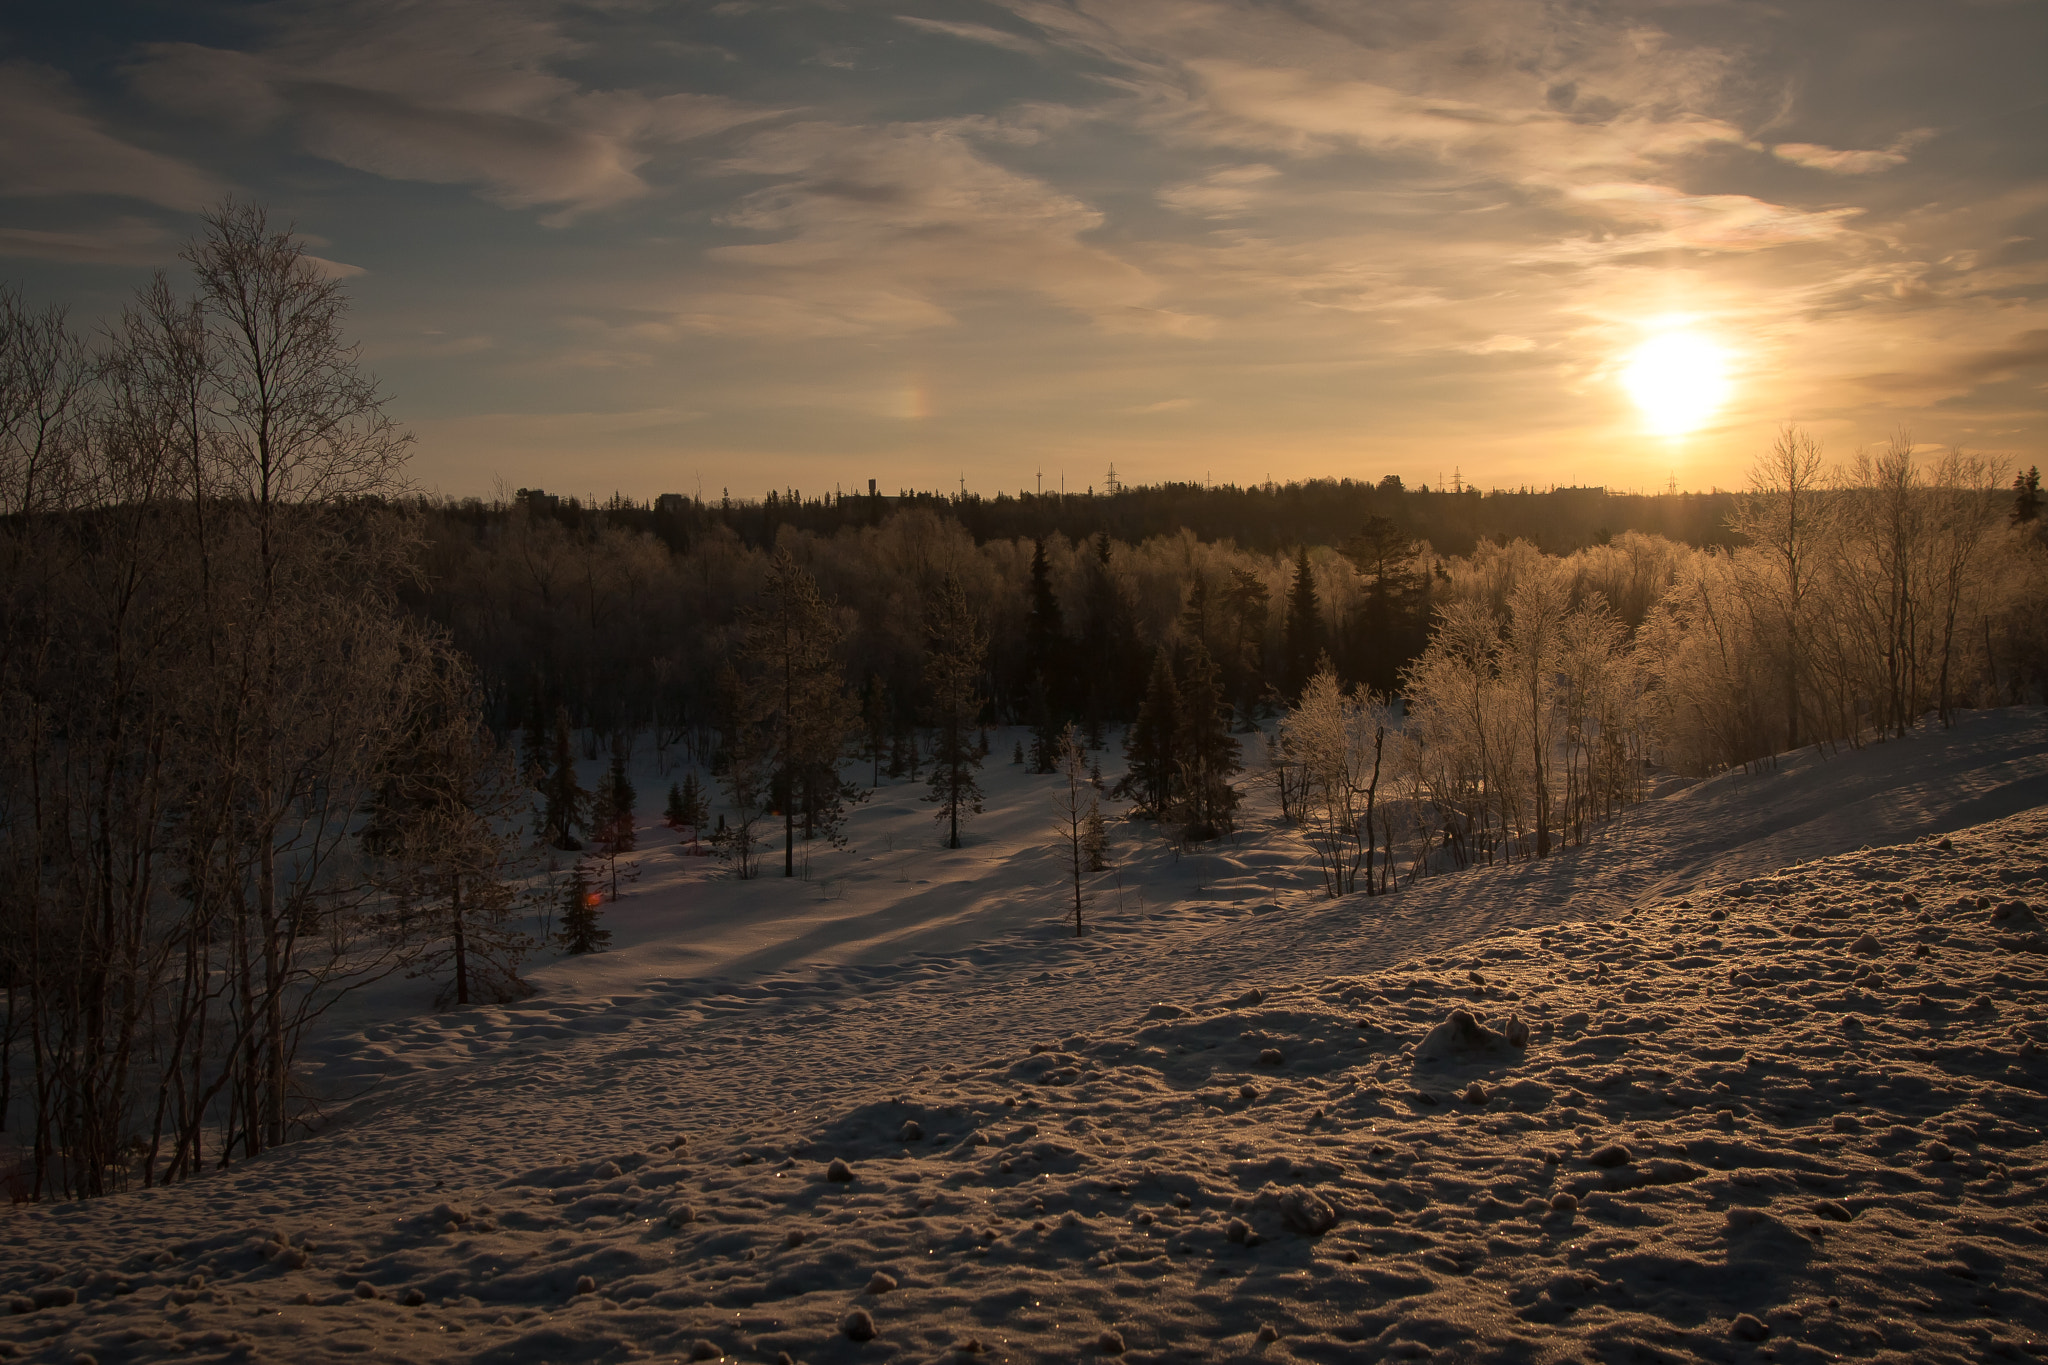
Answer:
(1208, 754)
(686, 806)
(955, 647)
(580, 931)
(2026, 496)
(1043, 635)
(1302, 634)
(612, 818)
(1045, 731)
(1152, 747)
(875, 728)
(566, 801)
(534, 747)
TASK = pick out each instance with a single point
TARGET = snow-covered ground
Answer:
(1781, 1097)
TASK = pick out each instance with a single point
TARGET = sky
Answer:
(647, 247)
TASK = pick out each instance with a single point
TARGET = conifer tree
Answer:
(686, 806)
(1208, 754)
(1152, 747)
(875, 728)
(580, 930)
(1017, 754)
(612, 818)
(2026, 496)
(956, 646)
(534, 748)
(1043, 634)
(1302, 633)
(1045, 731)
(566, 801)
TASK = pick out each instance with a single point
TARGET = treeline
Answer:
(237, 779)
(1268, 518)
(629, 634)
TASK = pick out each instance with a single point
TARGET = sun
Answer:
(1679, 379)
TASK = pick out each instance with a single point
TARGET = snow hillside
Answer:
(1761, 1110)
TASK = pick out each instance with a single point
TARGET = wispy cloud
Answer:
(973, 33)
(125, 241)
(54, 146)
(460, 92)
(894, 228)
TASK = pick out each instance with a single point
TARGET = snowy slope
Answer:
(1827, 1082)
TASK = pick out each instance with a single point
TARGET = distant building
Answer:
(537, 500)
(671, 503)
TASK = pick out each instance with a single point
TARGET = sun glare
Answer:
(1679, 380)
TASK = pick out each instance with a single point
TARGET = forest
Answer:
(275, 725)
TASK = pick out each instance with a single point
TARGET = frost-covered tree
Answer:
(790, 647)
(446, 845)
(1339, 741)
(956, 646)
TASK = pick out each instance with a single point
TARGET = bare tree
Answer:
(1076, 816)
(1787, 514)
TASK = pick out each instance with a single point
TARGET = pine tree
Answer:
(567, 802)
(580, 931)
(1017, 754)
(1302, 633)
(956, 646)
(1208, 754)
(1152, 747)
